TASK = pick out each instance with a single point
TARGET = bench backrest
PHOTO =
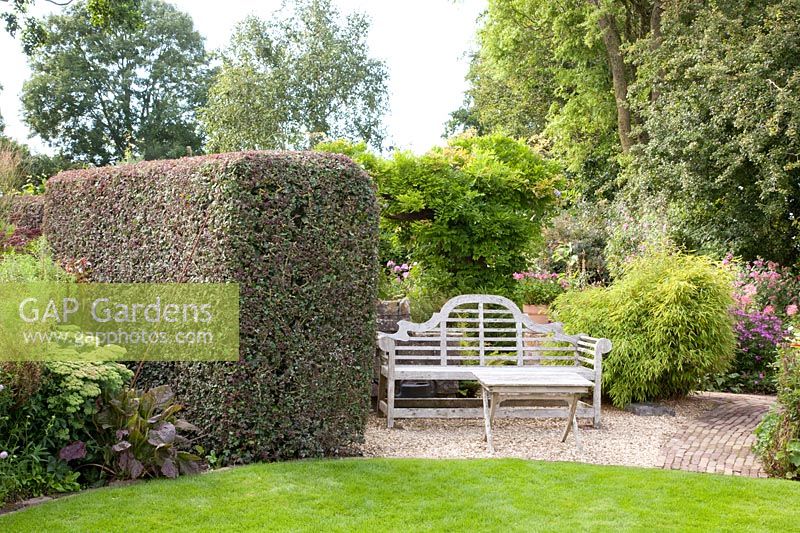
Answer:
(485, 329)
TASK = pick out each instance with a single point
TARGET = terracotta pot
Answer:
(537, 313)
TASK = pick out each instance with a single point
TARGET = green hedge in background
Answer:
(668, 319)
(298, 232)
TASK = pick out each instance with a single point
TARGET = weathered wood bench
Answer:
(478, 330)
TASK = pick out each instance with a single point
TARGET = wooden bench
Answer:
(479, 330)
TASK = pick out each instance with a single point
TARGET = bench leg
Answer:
(381, 392)
(596, 400)
(390, 402)
(487, 420)
(572, 423)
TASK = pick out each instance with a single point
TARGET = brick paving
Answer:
(720, 440)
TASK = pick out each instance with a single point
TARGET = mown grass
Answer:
(426, 495)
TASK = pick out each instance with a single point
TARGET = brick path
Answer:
(720, 440)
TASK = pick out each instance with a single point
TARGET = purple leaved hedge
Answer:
(298, 231)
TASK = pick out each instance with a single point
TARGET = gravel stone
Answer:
(623, 438)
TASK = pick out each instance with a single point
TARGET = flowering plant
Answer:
(539, 288)
(766, 297)
(395, 282)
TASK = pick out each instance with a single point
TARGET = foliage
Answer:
(469, 212)
(104, 14)
(142, 434)
(723, 130)
(394, 282)
(300, 77)
(136, 91)
(561, 69)
(298, 233)
(766, 297)
(47, 407)
(668, 319)
(778, 435)
(539, 288)
(484, 495)
(575, 242)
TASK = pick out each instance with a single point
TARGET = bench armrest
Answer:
(386, 343)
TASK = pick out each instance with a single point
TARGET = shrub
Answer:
(20, 220)
(766, 297)
(469, 212)
(298, 232)
(778, 435)
(539, 288)
(46, 408)
(668, 318)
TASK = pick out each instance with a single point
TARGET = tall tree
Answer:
(723, 135)
(562, 68)
(104, 14)
(287, 82)
(100, 96)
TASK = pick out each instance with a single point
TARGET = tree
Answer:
(102, 96)
(287, 82)
(469, 212)
(724, 132)
(562, 69)
(104, 14)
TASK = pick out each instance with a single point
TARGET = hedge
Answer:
(298, 232)
(25, 215)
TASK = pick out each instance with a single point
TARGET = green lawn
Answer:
(414, 495)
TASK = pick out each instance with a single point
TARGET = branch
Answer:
(425, 214)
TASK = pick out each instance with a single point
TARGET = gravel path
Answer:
(623, 439)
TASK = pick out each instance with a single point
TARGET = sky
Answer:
(425, 44)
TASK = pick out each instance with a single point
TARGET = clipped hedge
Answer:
(668, 319)
(298, 231)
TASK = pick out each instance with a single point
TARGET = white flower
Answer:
(2, 387)
(3, 455)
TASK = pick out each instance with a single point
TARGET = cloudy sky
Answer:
(424, 43)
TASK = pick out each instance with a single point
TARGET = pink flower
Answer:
(406, 274)
(390, 264)
(404, 266)
(397, 268)
(518, 275)
(3, 455)
(791, 310)
(768, 310)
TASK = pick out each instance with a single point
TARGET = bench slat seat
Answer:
(439, 372)
(484, 331)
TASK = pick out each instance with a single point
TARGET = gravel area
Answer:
(623, 439)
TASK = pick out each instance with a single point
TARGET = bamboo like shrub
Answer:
(668, 317)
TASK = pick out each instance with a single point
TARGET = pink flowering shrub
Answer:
(765, 295)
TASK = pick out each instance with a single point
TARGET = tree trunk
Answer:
(619, 79)
(655, 40)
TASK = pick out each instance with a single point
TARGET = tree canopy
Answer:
(100, 96)
(287, 82)
(104, 14)
(468, 212)
(685, 108)
(723, 145)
